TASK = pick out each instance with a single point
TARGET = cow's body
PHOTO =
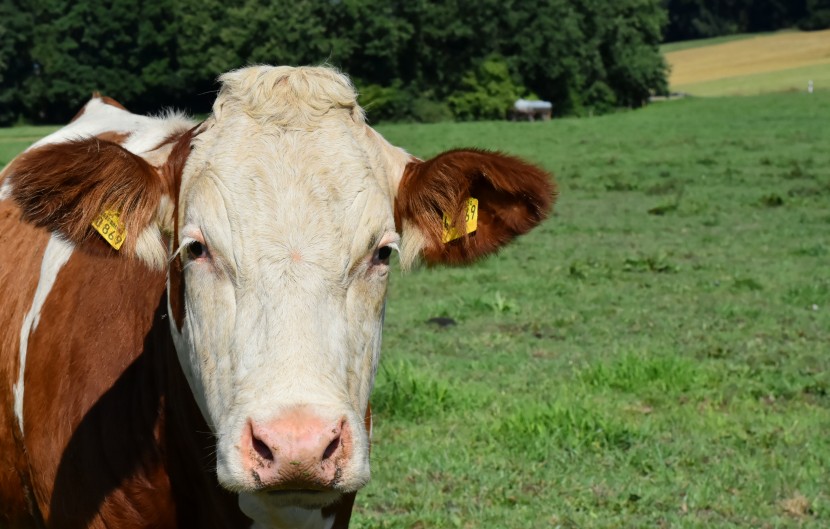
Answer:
(99, 426)
(88, 437)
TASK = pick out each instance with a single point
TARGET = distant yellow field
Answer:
(769, 63)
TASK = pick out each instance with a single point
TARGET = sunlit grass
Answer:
(655, 354)
(15, 139)
(794, 79)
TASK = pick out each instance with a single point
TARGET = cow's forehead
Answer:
(286, 165)
(317, 196)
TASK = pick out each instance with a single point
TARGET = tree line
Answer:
(695, 19)
(423, 60)
(418, 60)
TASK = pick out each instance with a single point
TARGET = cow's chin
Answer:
(286, 508)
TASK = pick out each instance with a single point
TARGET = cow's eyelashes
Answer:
(196, 250)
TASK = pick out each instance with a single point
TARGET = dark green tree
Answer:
(409, 57)
(816, 15)
(485, 92)
(122, 48)
(694, 19)
(16, 26)
(628, 34)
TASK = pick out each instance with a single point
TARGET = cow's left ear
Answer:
(465, 204)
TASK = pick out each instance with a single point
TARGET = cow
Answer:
(191, 313)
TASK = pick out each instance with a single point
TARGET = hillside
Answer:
(777, 62)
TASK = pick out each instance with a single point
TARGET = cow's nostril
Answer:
(262, 449)
(331, 448)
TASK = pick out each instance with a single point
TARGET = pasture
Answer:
(13, 140)
(750, 64)
(657, 354)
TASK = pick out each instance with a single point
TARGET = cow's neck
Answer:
(128, 447)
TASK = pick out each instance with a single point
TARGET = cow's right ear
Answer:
(68, 187)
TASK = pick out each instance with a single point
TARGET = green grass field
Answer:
(14, 140)
(791, 79)
(657, 354)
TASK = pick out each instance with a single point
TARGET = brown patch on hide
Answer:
(108, 101)
(92, 401)
(171, 171)
(21, 253)
(119, 138)
(171, 174)
(176, 292)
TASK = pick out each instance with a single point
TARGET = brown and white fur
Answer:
(216, 370)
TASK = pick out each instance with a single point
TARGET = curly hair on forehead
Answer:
(291, 97)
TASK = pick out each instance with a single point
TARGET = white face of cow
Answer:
(286, 226)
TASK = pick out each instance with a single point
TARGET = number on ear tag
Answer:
(471, 218)
(108, 224)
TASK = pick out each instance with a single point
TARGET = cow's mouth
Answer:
(305, 498)
(286, 492)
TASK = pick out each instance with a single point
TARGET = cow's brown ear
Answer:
(66, 187)
(438, 219)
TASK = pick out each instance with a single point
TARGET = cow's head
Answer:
(278, 217)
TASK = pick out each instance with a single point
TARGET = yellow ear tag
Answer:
(108, 224)
(470, 215)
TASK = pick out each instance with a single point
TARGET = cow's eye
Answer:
(195, 250)
(382, 255)
(384, 252)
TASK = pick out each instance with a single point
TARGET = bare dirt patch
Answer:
(797, 506)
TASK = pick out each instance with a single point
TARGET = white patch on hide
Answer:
(56, 255)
